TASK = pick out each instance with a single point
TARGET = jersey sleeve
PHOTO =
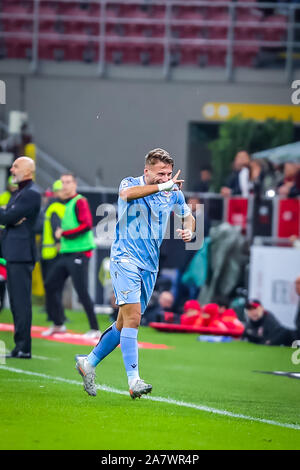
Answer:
(128, 182)
(181, 209)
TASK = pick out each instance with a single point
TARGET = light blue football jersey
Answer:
(142, 224)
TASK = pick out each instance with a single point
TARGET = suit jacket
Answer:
(18, 241)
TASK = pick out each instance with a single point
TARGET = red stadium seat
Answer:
(248, 26)
(193, 27)
(143, 53)
(274, 28)
(219, 28)
(53, 47)
(245, 56)
(118, 52)
(16, 7)
(18, 48)
(145, 30)
(20, 23)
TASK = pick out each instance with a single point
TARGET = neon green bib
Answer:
(84, 241)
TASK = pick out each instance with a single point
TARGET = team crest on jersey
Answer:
(124, 184)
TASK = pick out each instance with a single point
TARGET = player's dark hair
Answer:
(159, 155)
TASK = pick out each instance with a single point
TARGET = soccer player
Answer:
(144, 206)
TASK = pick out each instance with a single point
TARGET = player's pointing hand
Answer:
(177, 181)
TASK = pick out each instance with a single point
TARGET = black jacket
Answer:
(18, 241)
(268, 331)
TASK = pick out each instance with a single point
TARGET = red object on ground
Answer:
(231, 321)
(208, 321)
(73, 338)
(173, 328)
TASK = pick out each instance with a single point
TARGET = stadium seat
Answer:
(17, 7)
(142, 53)
(118, 52)
(82, 9)
(84, 51)
(190, 25)
(245, 56)
(219, 25)
(274, 28)
(17, 48)
(53, 47)
(113, 10)
(18, 23)
(248, 24)
(146, 31)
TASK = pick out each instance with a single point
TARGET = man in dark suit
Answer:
(18, 248)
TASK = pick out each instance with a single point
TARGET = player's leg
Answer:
(109, 340)
(131, 318)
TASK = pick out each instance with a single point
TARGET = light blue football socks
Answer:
(130, 352)
(109, 340)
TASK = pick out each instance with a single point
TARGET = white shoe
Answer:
(54, 329)
(93, 334)
(138, 388)
(87, 372)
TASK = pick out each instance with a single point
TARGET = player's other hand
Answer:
(185, 234)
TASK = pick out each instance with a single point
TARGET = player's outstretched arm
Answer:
(137, 192)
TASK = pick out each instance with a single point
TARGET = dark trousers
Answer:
(19, 284)
(2, 293)
(47, 265)
(76, 266)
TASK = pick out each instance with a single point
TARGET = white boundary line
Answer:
(169, 401)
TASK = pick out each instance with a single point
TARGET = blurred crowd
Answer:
(251, 176)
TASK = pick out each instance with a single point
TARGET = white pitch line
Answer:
(169, 401)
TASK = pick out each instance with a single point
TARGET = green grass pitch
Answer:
(205, 396)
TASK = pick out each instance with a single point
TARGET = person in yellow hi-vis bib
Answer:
(6, 195)
(50, 244)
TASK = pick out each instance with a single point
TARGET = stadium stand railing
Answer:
(171, 33)
(48, 169)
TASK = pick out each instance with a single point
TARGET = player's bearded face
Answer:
(158, 173)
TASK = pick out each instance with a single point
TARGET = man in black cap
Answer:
(263, 328)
